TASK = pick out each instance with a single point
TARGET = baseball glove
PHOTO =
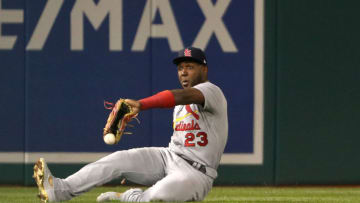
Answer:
(118, 119)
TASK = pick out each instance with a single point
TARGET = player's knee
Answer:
(179, 190)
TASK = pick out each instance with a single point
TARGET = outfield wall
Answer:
(289, 69)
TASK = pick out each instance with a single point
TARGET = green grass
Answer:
(218, 194)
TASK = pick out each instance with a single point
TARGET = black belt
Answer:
(196, 165)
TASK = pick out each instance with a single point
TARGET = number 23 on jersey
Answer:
(191, 142)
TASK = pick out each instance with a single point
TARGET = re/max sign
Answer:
(112, 10)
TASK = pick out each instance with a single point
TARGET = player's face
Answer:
(191, 74)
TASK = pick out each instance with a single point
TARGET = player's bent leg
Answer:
(176, 187)
(180, 187)
(182, 183)
(128, 164)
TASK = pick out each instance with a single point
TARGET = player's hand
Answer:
(135, 105)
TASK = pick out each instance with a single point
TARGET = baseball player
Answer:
(183, 171)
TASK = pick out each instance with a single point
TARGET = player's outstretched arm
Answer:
(168, 99)
(188, 96)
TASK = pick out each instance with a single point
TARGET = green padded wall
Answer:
(318, 92)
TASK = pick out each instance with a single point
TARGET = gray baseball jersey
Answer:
(200, 132)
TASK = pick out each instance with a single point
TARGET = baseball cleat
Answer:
(44, 181)
(108, 196)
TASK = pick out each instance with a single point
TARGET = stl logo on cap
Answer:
(187, 52)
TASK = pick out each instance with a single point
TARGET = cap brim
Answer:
(178, 60)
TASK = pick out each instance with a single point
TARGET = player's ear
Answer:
(205, 69)
(204, 72)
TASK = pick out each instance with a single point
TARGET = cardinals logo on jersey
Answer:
(182, 126)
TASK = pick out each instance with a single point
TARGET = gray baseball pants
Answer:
(171, 178)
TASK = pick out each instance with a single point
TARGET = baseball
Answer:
(109, 139)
